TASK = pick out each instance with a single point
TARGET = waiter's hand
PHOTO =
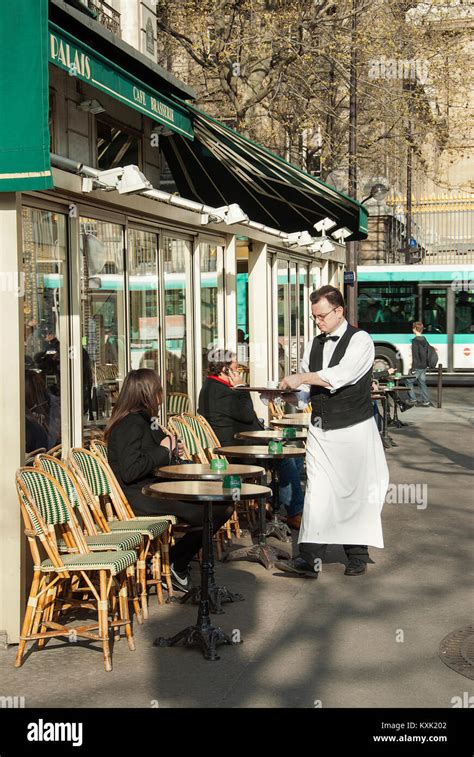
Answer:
(375, 386)
(291, 382)
(391, 370)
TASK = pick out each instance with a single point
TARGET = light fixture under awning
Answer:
(80, 60)
(221, 167)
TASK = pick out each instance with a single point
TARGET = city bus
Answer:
(391, 297)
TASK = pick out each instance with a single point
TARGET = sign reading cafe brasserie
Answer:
(81, 61)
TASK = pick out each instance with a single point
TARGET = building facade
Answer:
(100, 278)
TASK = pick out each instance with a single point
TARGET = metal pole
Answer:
(409, 190)
(440, 384)
(352, 247)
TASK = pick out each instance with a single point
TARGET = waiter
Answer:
(345, 463)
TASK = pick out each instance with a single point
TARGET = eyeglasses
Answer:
(324, 316)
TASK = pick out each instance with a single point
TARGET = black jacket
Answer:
(134, 451)
(229, 411)
(419, 352)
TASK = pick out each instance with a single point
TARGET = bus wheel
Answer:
(386, 358)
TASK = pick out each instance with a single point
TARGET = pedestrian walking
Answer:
(420, 349)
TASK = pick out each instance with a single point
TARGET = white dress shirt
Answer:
(356, 361)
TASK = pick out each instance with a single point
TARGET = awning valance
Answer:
(78, 59)
(221, 167)
(24, 134)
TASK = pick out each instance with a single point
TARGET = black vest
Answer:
(349, 404)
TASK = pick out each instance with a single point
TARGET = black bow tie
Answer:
(323, 338)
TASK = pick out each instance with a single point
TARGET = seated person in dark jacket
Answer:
(136, 447)
(230, 412)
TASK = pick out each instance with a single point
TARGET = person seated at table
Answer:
(137, 446)
(230, 412)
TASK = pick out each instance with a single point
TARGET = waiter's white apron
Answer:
(347, 479)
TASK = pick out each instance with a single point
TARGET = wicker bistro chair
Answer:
(209, 441)
(95, 539)
(30, 456)
(177, 403)
(194, 452)
(100, 448)
(99, 486)
(56, 451)
(46, 511)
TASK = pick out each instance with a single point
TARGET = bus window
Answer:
(464, 312)
(387, 308)
(433, 310)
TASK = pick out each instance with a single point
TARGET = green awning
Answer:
(221, 167)
(80, 60)
(24, 97)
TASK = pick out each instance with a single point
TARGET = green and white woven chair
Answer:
(97, 481)
(209, 441)
(56, 451)
(48, 515)
(30, 456)
(177, 403)
(96, 540)
(100, 448)
(193, 450)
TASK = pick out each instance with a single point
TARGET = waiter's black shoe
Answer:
(355, 567)
(297, 567)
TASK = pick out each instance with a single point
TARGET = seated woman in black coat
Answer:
(227, 411)
(136, 446)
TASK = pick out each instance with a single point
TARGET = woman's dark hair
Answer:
(330, 293)
(141, 391)
(37, 398)
(218, 360)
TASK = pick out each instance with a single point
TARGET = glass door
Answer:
(211, 293)
(143, 288)
(437, 318)
(45, 328)
(102, 318)
(283, 304)
(463, 339)
(177, 307)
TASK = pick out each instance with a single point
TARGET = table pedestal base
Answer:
(263, 554)
(217, 596)
(206, 637)
(278, 529)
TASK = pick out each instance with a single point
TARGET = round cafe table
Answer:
(262, 552)
(203, 472)
(203, 634)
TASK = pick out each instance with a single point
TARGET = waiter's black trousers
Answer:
(311, 552)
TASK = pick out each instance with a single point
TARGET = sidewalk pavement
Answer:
(369, 641)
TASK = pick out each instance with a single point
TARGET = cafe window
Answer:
(117, 145)
(143, 285)
(176, 264)
(212, 302)
(44, 282)
(102, 318)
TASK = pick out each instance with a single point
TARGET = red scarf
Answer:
(223, 381)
